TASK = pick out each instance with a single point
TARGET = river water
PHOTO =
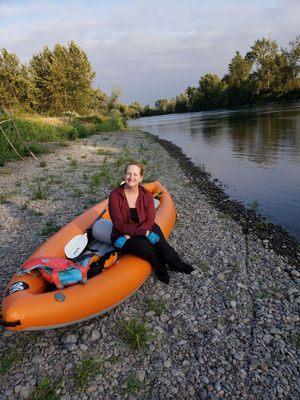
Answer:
(254, 152)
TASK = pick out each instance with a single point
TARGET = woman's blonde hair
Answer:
(140, 165)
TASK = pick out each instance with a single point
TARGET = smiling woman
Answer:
(135, 232)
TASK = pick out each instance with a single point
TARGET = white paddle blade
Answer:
(76, 246)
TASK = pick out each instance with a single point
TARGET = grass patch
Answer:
(4, 197)
(253, 206)
(297, 342)
(114, 359)
(43, 164)
(262, 295)
(103, 152)
(49, 228)
(73, 162)
(39, 192)
(135, 333)
(158, 306)
(8, 358)
(85, 371)
(132, 384)
(46, 390)
(203, 266)
(77, 192)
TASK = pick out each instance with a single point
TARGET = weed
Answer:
(18, 183)
(4, 197)
(7, 360)
(84, 156)
(95, 181)
(114, 359)
(39, 192)
(85, 370)
(203, 265)
(236, 266)
(132, 384)
(297, 342)
(73, 163)
(5, 171)
(49, 228)
(77, 192)
(135, 333)
(43, 164)
(46, 390)
(103, 152)
(262, 295)
(158, 306)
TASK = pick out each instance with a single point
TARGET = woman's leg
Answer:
(168, 255)
(141, 247)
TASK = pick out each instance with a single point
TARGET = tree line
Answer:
(266, 73)
(55, 82)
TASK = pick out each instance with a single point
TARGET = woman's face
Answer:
(133, 176)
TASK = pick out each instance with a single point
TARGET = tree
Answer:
(14, 82)
(264, 55)
(63, 79)
(292, 67)
(239, 90)
(40, 76)
(161, 105)
(211, 90)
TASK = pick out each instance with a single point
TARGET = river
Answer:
(253, 152)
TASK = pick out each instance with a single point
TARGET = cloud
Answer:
(151, 49)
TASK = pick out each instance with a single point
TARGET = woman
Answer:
(134, 231)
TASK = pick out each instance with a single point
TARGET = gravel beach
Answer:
(228, 331)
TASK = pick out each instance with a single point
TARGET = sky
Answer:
(149, 49)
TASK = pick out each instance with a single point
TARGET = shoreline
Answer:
(272, 235)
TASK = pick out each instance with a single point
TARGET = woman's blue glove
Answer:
(119, 243)
(153, 237)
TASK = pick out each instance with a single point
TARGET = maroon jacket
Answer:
(120, 213)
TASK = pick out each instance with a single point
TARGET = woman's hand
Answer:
(153, 237)
(147, 233)
(127, 236)
(119, 243)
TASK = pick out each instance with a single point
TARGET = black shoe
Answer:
(183, 267)
(163, 277)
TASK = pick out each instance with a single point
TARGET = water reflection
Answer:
(256, 152)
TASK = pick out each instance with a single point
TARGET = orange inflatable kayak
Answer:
(31, 307)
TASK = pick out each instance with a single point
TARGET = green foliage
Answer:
(46, 390)
(132, 384)
(7, 360)
(39, 191)
(158, 306)
(264, 74)
(85, 371)
(135, 333)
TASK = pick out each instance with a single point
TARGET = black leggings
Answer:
(158, 255)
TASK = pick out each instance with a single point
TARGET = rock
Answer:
(233, 304)
(95, 336)
(141, 375)
(69, 339)
(25, 392)
(37, 359)
(167, 364)
(239, 355)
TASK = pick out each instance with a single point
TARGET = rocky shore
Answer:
(228, 331)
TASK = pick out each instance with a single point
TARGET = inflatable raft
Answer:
(27, 305)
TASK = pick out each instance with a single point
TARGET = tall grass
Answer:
(35, 129)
